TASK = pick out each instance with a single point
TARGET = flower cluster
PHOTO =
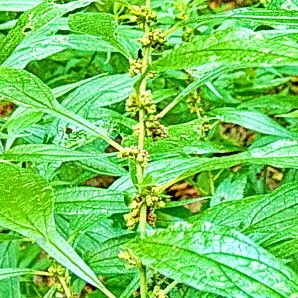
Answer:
(145, 102)
(157, 293)
(142, 15)
(154, 128)
(187, 35)
(152, 199)
(153, 39)
(141, 156)
(59, 271)
(131, 260)
(136, 67)
(194, 103)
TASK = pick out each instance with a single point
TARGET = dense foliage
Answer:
(148, 148)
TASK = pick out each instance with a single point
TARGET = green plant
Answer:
(148, 148)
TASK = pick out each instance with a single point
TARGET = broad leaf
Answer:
(268, 219)
(33, 20)
(283, 153)
(89, 200)
(96, 162)
(27, 90)
(238, 49)
(272, 104)
(105, 260)
(255, 17)
(100, 91)
(41, 47)
(34, 217)
(99, 24)
(216, 259)
(252, 120)
(9, 282)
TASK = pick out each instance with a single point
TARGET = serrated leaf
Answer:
(34, 218)
(282, 153)
(105, 260)
(99, 24)
(253, 16)
(183, 139)
(96, 162)
(229, 190)
(252, 120)
(100, 91)
(89, 200)
(33, 20)
(216, 259)
(238, 49)
(27, 90)
(9, 282)
(41, 47)
(268, 219)
(291, 5)
(271, 104)
(94, 23)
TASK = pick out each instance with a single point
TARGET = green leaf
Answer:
(100, 90)
(238, 49)
(33, 20)
(216, 259)
(9, 237)
(283, 4)
(184, 139)
(6, 273)
(96, 162)
(271, 104)
(253, 17)
(282, 153)
(99, 24)
(268, 219)
(105, 260)
(27, 90)
(94, 23)
(229, 190)
(89, 200)
(9, 282)
(34, 218)
(252, 120)
(41, 47)
(18, 5)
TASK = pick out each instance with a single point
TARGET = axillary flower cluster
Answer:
(152, 199)
(142, 100)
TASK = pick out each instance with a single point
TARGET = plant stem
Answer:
(66, 289)
(170, 287)
(142, 268)
(143, 282)
(140, 170)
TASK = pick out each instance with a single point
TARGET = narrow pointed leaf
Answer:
(252, 120)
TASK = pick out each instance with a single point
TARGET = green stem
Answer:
(170, 287)
(66, 289)
(143, 282)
